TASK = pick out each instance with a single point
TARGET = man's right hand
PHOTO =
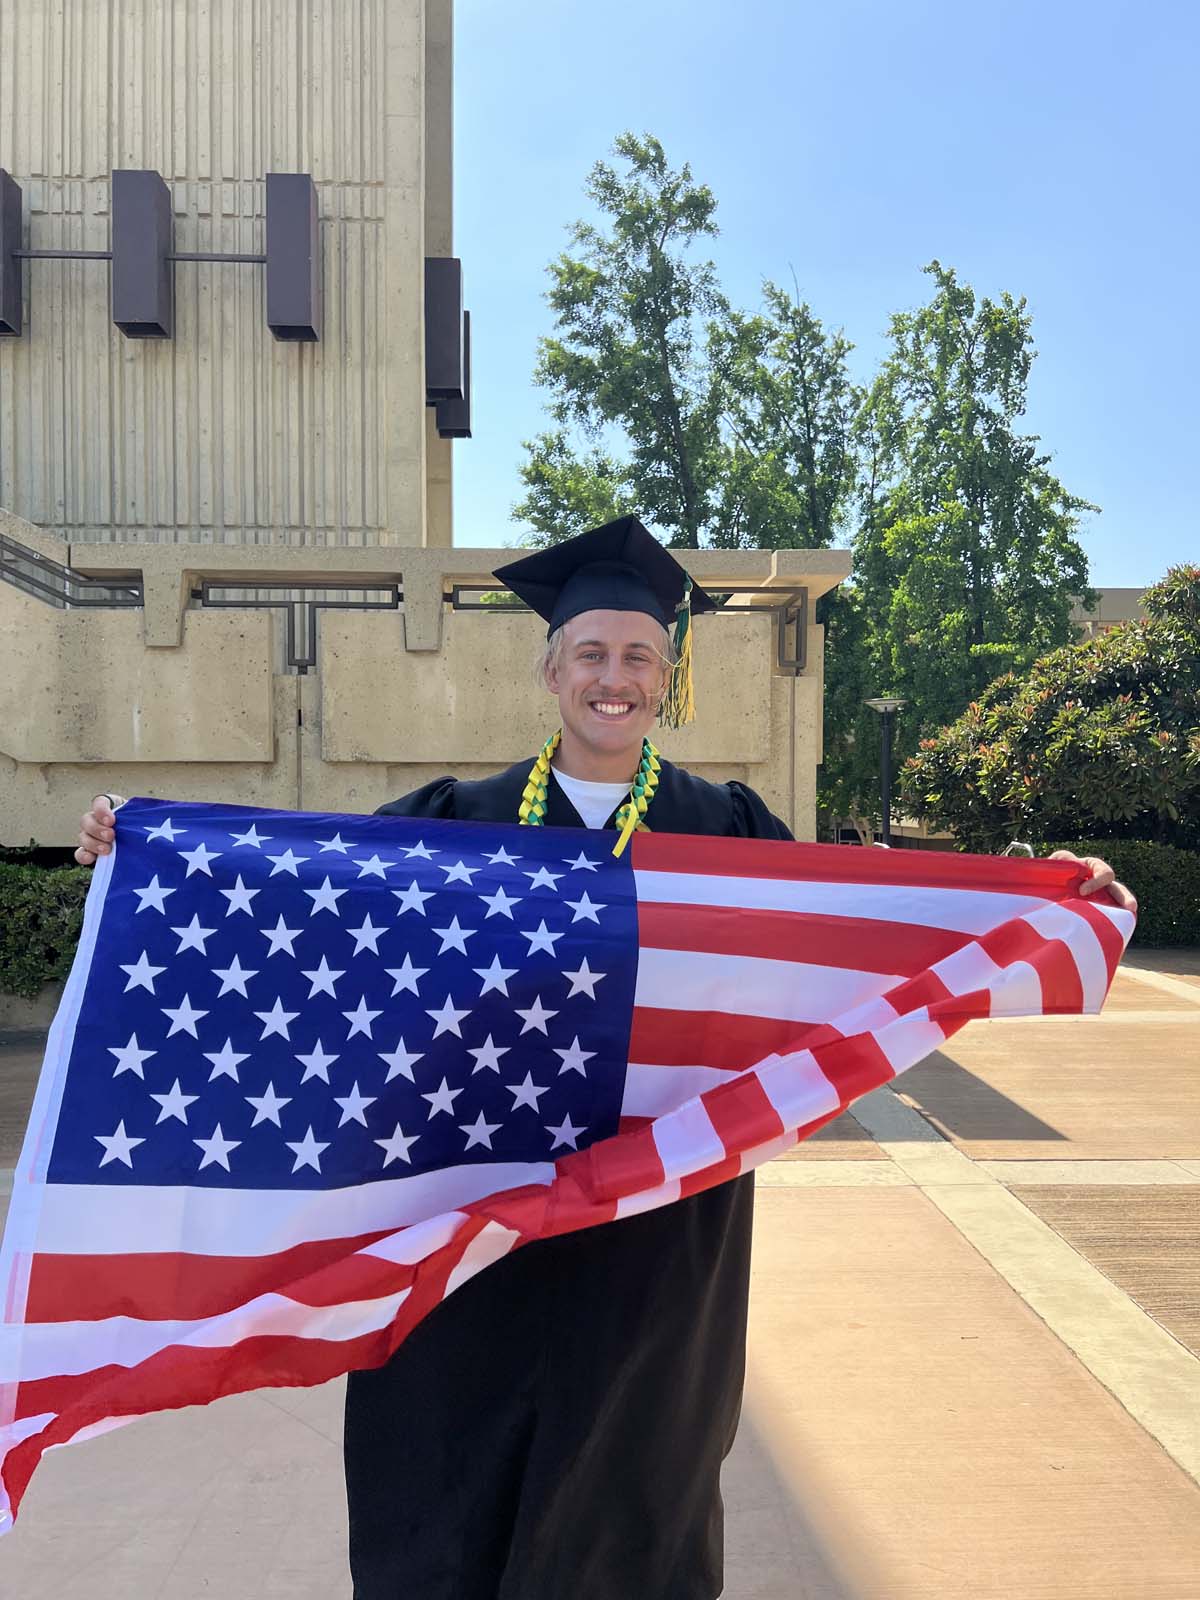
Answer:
(96, 830)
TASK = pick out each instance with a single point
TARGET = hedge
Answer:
(41, 913)
(1165, 879)
(41, 909)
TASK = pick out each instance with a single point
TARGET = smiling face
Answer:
(609, 675)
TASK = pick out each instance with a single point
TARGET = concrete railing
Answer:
(182, 695)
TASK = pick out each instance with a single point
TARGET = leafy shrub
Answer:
(41, 913)
(1101, 737)
(1165, 880)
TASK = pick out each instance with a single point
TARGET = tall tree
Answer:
(628, 353)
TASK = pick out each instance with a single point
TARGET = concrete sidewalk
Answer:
(973, 1366)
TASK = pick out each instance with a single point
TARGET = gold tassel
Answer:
(679, 702)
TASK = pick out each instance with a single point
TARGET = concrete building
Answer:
(200, 456)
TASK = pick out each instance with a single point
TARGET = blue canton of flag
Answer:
(282, 1001)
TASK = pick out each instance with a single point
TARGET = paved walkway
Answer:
(974, 1367)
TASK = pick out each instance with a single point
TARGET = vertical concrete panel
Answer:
(220, 435)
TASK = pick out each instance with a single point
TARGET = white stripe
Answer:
(1016, 990)
(410, 1245)
(1056, 922)
(754, 986)
(488, 1245)
(687, 1141)
(97, 1219)
(653, 1091)
(974, 911)
(51, 1349)
(909, 1039)
(797, 1088)
(649, 1199)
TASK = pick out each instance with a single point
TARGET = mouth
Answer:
(612, 710)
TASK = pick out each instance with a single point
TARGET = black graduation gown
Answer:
(555, 1429)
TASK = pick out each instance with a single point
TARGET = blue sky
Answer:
(1045, 148)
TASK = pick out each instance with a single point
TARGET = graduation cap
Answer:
(618, 567)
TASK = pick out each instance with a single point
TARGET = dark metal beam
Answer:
(444, 355)
(10, 264)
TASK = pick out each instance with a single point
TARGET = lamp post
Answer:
(887, 706)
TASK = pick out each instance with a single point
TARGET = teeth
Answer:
(612, 708)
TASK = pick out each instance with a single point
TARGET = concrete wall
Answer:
(174, 700)
(221, 434)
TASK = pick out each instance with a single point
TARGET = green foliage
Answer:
(41, 913)
(1166, 881)
(1101, 737)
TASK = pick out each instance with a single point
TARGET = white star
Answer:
(441, 1099)
(574, 1058)
(413, 898)
(565, 1133)
(454, 937)
(117, 1146)
(252, 837)
(239, 898)
(478, 1132)
(337, 843)
(536, 1017)
(307, 1151)
(526, 1093)
(401, 1060)
(460, 872)
(317, 1063)
(199, 858)
(153, 895)
(373, 868)
(165, 830)
(268, 1105)
(366, 936)
(130, 1058)
(287, 862)
(325, 898)
(353, 1106)
(503, 859)
(193, 936)
(494, 977)
(281, 938)
(584, 980)
(542, 939)
(225, 1062)
(583, 863)
(396, 1148)
(488, 1055)
(498, 904)
(419, 849)
(585, 909)
(406, 976)
(542, 878)
(183, 1018)
(323, 979)
(276, 1021)
(361, 1019)
(447, 1019)
(174, 1104)
(141, 974)
(216, 1149)
(234, 977)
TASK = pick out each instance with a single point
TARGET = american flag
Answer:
(311, 1072)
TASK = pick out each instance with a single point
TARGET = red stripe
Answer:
(615, 1168)
(741, 1113)
(833, 863)
(661, 1038)
(854, 1066)
(1111, 942)
(176, 1286)
(854, 943)
(1050, 959)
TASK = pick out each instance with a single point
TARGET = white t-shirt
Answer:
(595, 802)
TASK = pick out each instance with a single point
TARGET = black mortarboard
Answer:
(618, 567)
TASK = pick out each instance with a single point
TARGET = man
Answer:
(555, 1429)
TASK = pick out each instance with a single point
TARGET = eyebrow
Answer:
(635, 644)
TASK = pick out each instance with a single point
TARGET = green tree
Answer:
(628, 355)
(966, 556)
(1099, 739)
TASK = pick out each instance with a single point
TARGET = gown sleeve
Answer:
(434, 800)
(751, 819)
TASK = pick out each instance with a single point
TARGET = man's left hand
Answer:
(1102, 877)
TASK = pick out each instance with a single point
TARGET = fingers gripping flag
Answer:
(310, 1073)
